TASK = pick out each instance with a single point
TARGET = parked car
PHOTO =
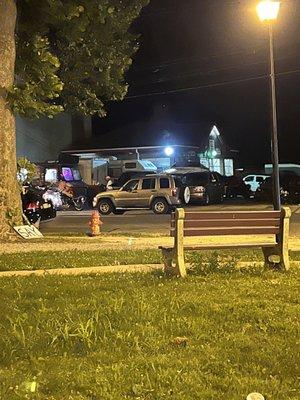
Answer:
(160, 193)
(205, 187)
(255, 181)
(236, 186)
(289, 189)
(35, 208)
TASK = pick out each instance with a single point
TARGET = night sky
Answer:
(209, 42)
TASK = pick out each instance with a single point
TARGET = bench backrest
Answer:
(208, 223)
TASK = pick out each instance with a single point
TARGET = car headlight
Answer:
(284, 192)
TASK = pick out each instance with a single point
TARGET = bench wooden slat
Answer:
(224, 223)
(217, 215)
(251, 230)
(222, 246)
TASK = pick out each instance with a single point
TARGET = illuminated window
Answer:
(228, 167)
(51, 175)
(67, 174)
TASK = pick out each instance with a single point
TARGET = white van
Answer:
(254, 181)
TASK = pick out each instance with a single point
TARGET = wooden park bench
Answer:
(221, 223)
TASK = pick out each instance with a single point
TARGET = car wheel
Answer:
(105, 207)
(185, 195)
(160, 206)
(79, 203)
(207, 200)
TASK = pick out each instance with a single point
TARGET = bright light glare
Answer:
(169, 151)
(268, 10)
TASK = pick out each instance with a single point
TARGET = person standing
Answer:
(109, 183)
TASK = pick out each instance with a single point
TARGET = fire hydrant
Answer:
(95, 224)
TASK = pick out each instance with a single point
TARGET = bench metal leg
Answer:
(270, 252)
(280, 257)
(168, 261)
(173, 264)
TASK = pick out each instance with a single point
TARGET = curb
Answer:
(83, 271)
(111, 269)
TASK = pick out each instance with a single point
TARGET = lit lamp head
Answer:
(268, 10)
(169, 151)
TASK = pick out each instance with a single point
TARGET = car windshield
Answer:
(199, 179)
(178, 181)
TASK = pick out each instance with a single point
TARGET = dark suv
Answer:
(289, 189)
(205, 187)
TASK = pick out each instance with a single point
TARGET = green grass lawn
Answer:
(71, 259)
(112, 337)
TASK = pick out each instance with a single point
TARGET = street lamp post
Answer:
(268, 11)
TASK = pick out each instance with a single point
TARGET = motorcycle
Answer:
(71, 201)
(35, 207)
(62, 198)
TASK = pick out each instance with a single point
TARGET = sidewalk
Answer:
(123, 243)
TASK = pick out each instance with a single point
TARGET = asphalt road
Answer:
(144, 221)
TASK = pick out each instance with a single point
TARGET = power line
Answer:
(184, 60)
(210, 85)
(194, 59)
(198, 72)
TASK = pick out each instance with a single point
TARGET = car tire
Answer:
(119, 212)
(207, 200)
(185, 195)
(221, 199)
(79, 204)
(105, 207)
(160, 206)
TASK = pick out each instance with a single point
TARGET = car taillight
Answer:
(32, 206)
(174, 192)
(199, 189)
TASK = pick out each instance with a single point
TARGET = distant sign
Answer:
(28, 232)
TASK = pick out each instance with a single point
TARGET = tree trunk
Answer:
(10, 207)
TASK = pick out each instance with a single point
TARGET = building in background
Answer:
(164, 137)
(44, 138)
(216, 155)
(96, 163)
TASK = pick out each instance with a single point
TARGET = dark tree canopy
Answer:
(72, 55)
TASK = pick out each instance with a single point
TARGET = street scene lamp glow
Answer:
(169, 151)
(268, 10)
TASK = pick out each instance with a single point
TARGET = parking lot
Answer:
(144, 221)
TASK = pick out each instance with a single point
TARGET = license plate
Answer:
(46, 205)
